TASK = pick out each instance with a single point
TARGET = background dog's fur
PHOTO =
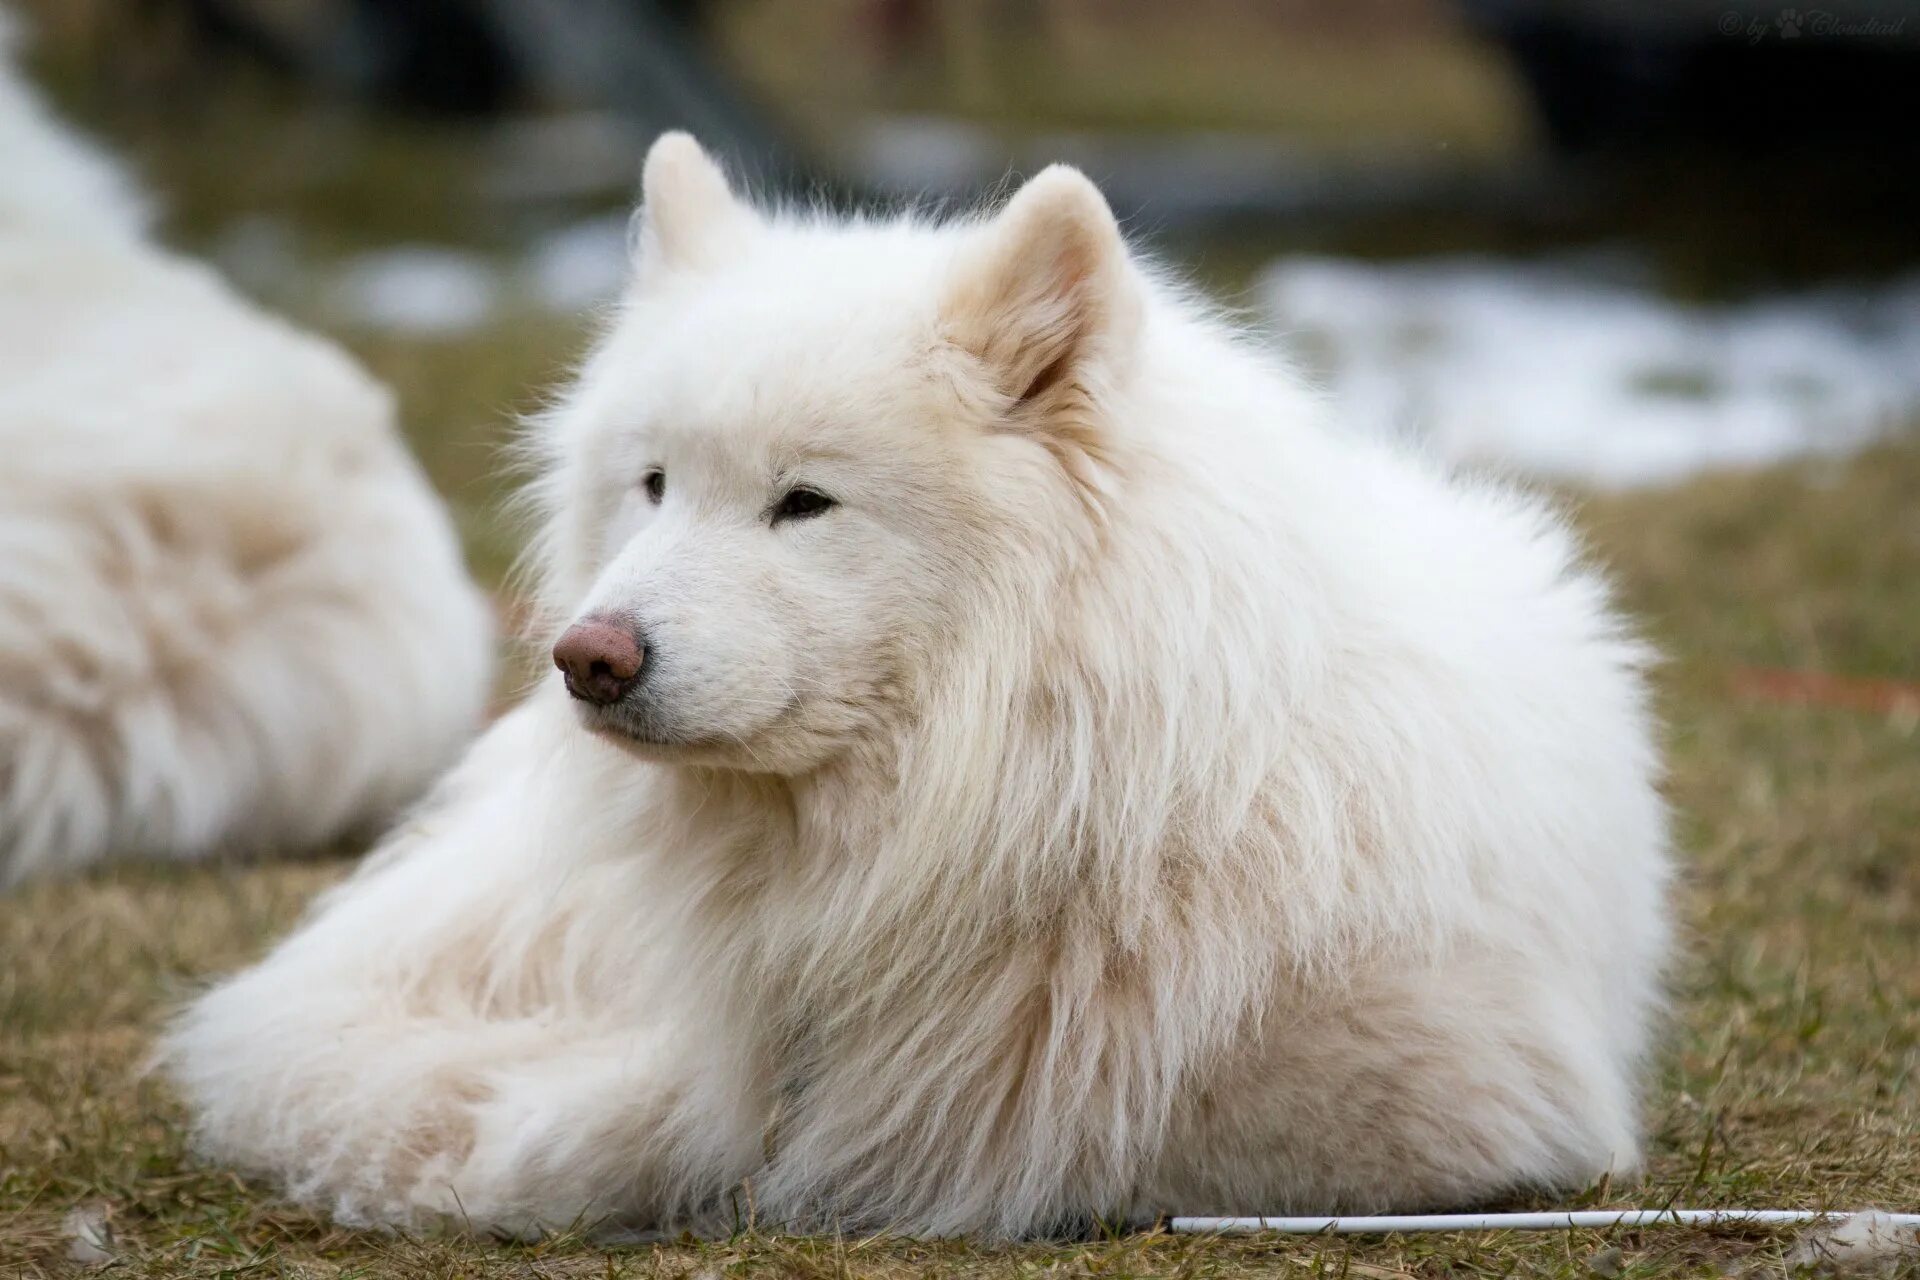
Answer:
(233, 615)
(1134, 797)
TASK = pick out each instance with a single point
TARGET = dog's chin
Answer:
(633, 733)
(640, 736)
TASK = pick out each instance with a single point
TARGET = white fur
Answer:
(1135, 796)
(233, 615)
(56, 185)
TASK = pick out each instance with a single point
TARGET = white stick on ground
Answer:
(1556, 1221)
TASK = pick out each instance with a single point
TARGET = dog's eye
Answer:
(798, 504)
(655, 484)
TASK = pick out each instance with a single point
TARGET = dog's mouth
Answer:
(628, 727)
(639, 734)
(633, 728)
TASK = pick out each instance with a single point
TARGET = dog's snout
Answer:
(600, 659)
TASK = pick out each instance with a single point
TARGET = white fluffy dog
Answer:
(1021, 765)
(232, 613)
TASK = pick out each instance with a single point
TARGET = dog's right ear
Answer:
(688, 215)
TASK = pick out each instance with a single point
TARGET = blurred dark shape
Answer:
(438, 54)
(1751, 79)
(644, 58)
(649, 60)
(443, 56)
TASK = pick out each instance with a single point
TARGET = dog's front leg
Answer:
(480, 1027)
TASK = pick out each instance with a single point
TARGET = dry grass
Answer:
(1789, 1077)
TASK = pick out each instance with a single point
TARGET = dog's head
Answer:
(813, 455)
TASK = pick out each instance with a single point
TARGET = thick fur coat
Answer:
(1067, 778)
(233, 615)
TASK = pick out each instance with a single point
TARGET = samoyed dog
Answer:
(233, 616)
(1012, 762)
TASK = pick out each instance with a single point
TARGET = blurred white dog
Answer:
(1016, 763)
(232, 613)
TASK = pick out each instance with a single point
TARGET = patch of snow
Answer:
(436, 291)
(89, 1235)
(1870, 1243)
(1551, 370)
(579, 266)
(425, 290)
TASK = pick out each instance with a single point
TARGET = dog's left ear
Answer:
(1044, 293)
(688, 216)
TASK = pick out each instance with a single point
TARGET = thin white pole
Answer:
(1559, 1221)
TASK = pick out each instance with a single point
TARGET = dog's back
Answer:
(231, 611)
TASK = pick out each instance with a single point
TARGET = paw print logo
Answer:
(1789, 24)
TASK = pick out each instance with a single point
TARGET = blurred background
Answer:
(1603, 241)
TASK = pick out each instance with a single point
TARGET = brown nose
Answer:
(600, 659)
